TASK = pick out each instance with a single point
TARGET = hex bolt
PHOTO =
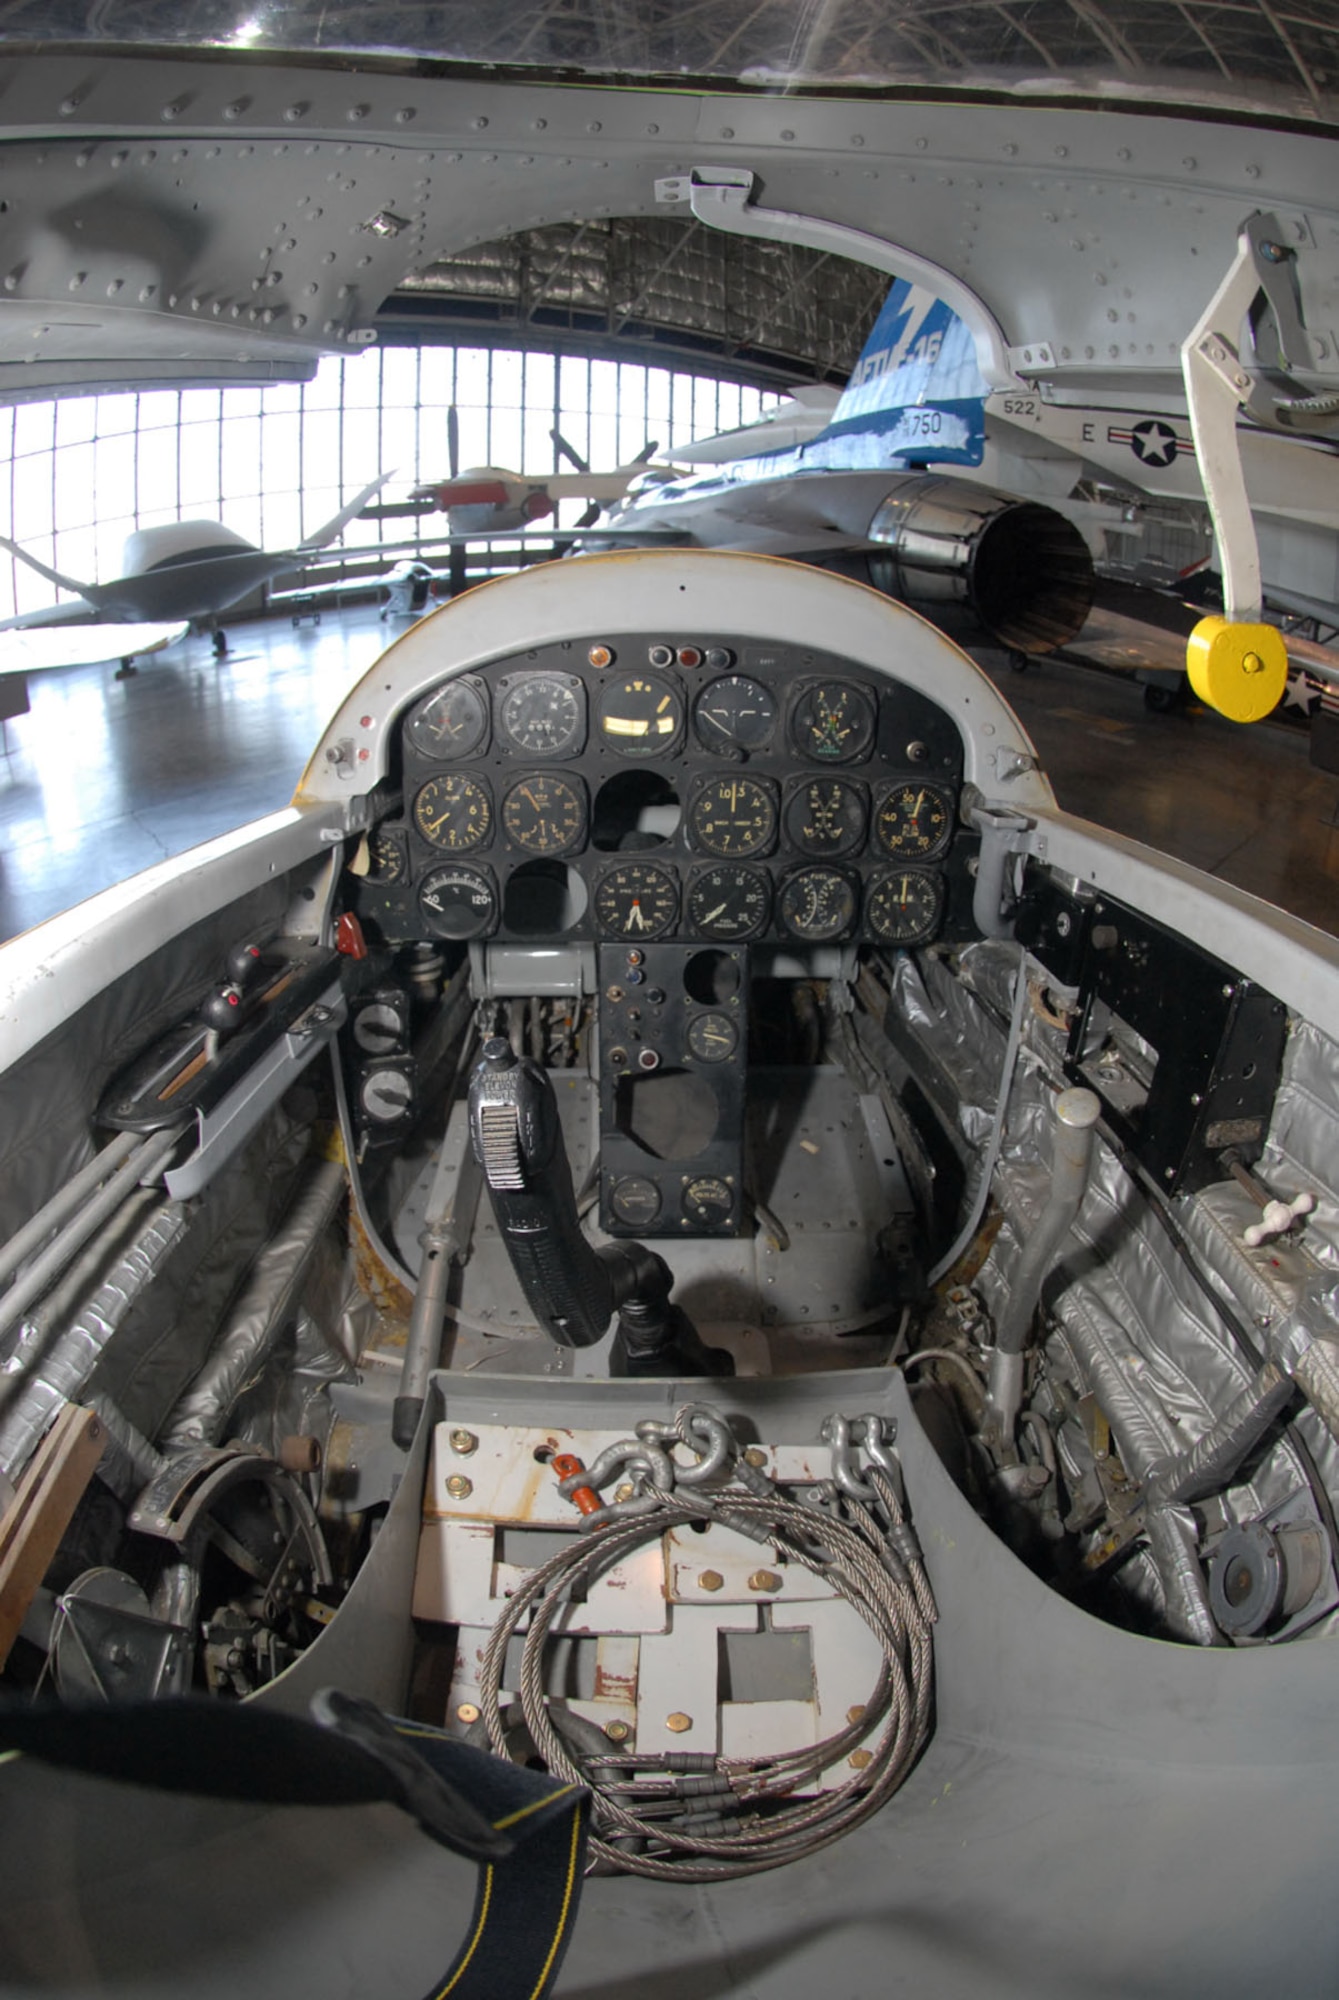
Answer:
(856, 1714)
(459, 1487)
(467, 1712)
(756, 1457)
(711, 1579)
(618, 1732)
(764, 1579)
(860, 1760)
(678, 1722)
(623, 1492)
(464, 1442)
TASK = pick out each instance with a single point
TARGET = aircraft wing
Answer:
(37, 650)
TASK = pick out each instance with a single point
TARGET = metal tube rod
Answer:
(65, 1200)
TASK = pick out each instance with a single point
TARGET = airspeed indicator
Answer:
(636, 901)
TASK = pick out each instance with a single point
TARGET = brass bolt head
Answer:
(711, 1579)
(467, 1712)
(856, 1714)
(618, 1732)
(860, 1760)
(464, 1442)
(756, 1457)
(678, 1722)
(459, 1487)
(623, 1492)
(764, 1579)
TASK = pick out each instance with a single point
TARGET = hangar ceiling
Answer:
(770, 311)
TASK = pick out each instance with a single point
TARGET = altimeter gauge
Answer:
(543, 715)
(452, 722)
(636, 901)
(913, 822)
(544, 814)
(733, 816)
(904, 905)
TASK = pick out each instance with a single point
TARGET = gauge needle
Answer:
(712, 915)
(636, 918)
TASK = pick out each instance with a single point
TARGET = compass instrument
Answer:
(733, 816)
(734, 714)
(542, 715)
(817, 905)
(903, 905)
(639, 715)
(453, 722)
(913, 822)
(454, 812)
(545, 814)
(833, 722)
(729, 904)
(635, 901)
(826, 816)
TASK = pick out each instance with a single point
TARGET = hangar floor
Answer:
(104, 777)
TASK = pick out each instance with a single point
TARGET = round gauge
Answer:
(385, 857)
(712, 1037)
(544, 814)
(733, 816)
(728, 903)
(833, 722)
(635, 1200)
(708, 1203)
(914, 822)
(457, 903)
(817, 905)
(453, 722)
(379, 1027)
(386, 1094)
(903, 905)
(454, 812)
(543, 715)
(638, 900)
(826, 816)
(735, 713)
(639, 715)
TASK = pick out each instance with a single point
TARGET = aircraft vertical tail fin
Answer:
(90, 592)
(335, 528)
(916, 395)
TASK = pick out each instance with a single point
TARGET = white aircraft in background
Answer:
(175, 574)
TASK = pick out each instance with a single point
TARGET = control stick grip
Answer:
(518, 1142)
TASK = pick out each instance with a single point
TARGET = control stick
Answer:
(573, 1288)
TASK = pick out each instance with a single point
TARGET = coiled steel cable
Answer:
(698, 1817)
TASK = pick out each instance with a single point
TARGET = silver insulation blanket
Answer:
(266, 1302)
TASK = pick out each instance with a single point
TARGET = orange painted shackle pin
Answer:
(584, 1498)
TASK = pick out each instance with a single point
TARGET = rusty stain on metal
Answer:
(386, 1292)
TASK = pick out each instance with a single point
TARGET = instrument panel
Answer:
(642, 787)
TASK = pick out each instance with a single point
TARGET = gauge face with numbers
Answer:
(913, 822)
(640, 715)
(729, 903)
(454, 812)
(545, 814)
(543, 715)
(735, 713)
(817, 905)
(826, 816)
(385, 856)
(457, 902)
(903, 905)
(733, 816)
(635, 901)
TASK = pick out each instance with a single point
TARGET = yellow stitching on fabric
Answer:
(536, 1805)
(459, 1972)
(567, 1904)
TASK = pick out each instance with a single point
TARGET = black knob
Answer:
(222, 1011)
(498, 1053)
(242, 962)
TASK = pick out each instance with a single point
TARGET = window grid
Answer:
(82, 478)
